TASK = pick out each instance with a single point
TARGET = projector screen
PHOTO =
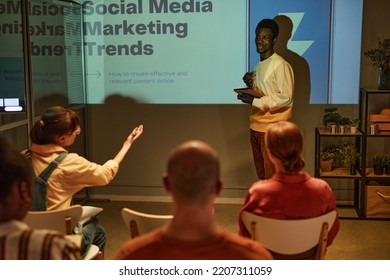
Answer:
(188, 51)
(161, 51)
(172, 52)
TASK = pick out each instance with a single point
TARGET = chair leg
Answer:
(68, 225)
(322, 242)
(99, 256)
(253, 230)
(133, 229)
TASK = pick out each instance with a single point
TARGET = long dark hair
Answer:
(55, 121)
(285, 142)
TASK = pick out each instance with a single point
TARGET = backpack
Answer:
(40, 182)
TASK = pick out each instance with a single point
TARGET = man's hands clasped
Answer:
(249, 78)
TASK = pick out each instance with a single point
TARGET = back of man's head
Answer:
(13, 168)
(193, 172)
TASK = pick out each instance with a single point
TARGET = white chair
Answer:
(63, 221)
(140, 223)
(290, 237)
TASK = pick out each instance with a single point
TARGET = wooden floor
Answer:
(357, 239)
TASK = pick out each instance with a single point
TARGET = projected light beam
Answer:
(299, 47)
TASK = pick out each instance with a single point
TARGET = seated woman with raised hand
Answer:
(57, 129)
(290, 193)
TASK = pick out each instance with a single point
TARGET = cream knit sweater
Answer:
(275, 77)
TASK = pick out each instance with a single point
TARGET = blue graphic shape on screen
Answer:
(327, 35)
(298, 46)
(310, 38)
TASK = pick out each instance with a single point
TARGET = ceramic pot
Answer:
(378, 170)
(387, 169)
(384, 78)
(326, 166)
(352, 169)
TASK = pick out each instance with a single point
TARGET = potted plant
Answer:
(342, 123)
(380, 57)
(348, 157)
(354, 124)
(331, 116)
(327, 158)
(378, 163)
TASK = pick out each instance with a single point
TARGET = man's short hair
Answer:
(268, 23)
(193, 171)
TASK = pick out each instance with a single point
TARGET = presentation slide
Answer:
(165, 52)
(175, 52)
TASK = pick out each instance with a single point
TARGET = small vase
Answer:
(378, 170)
(326, 166)
(357, 165)
(384, 78)
(329, 125)
(352, 169)
(387, 169)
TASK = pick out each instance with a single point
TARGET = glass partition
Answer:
(57, 63)
(41, 64)
(17, 137)
(12, 87)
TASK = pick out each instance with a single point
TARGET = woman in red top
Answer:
(290, 193)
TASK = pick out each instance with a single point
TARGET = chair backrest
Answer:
(290, 237)
(63, 220)
(140, 223)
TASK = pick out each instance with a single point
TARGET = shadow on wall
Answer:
(224, 126)
(300, 68)
(52, 99)
(301, 108)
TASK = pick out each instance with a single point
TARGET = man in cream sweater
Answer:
(273, 78)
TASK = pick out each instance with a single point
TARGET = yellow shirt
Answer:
(72, 175)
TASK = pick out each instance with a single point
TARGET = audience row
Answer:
(192, 178)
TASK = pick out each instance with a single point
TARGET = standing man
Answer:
(272, 77)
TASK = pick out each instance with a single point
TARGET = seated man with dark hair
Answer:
(17, 240)
(193, 180)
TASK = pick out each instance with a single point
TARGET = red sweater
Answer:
(290, 197)
(156, 246)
